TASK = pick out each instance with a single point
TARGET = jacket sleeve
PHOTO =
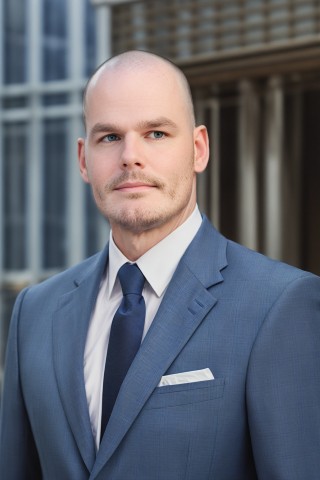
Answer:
(283, 386)
(18, 454)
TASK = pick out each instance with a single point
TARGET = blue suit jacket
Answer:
(254, 322)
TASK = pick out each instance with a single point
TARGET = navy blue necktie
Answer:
(125, 337)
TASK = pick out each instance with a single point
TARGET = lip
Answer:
(133, 187)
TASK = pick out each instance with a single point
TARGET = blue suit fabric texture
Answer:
(254, 322)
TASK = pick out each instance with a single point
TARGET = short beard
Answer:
(137, 220)
(140, 219)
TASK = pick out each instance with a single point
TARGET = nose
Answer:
(132, 153)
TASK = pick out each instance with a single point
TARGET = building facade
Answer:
(254, 68)
(48, 222)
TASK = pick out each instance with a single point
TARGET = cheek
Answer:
(99, 172)
(180, 183)
(181, 169)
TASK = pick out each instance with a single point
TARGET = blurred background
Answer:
(254, 70)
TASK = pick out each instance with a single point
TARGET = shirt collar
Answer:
(160, 262)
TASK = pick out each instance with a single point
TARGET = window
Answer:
(55, 47)
(14, 196)
(43, 228)
(15, 45)
(54, 193)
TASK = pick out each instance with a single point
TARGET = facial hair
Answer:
(141, 218)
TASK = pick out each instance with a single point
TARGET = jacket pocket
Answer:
(186, 393)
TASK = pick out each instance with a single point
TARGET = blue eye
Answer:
(111, 137)
(157, 134)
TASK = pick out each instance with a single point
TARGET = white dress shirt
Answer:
(158, 266)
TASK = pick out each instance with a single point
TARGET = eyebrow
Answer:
(156, 123)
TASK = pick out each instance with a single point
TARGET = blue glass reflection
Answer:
(15, 42)
(55, 40)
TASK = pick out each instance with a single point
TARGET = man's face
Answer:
(140, 154)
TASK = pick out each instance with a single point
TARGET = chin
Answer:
(137, 220)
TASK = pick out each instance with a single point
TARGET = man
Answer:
(225, 384)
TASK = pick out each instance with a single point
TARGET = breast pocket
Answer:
(186, 393)
(177, 430)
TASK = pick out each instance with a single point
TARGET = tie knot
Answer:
(131, 279)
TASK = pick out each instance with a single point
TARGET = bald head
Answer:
(140, 62)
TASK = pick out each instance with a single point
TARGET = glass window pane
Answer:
(52, 99)
(55, 41)
(15, 42)
(54, 193)
(13, 102)
(14, 195)
(90, 39)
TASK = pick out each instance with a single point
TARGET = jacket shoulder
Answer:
(257, 267)
(68, 279)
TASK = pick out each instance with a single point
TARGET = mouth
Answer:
(134, 187)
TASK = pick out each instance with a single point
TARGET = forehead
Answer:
(152, 90)
(138, 67)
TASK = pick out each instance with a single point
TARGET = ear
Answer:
(201, 148)
(82, 159)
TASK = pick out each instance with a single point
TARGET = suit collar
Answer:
(93, 268)
(186, 303)
(206, 256)
(160, 262)
(70, 324)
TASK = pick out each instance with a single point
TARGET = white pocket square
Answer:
(186, 377)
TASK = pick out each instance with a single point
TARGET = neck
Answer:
(134, 244)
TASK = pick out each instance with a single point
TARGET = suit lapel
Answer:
(185, 304)
(70, 324)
